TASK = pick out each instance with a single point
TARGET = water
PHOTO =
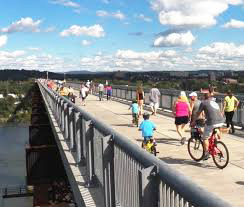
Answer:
(12, 162)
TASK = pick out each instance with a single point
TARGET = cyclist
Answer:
(214, 119)
(135, 112)
(147, 127)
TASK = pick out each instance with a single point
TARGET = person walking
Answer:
(154, 99)
(140, 98)
(100, 91)
(182, 111)
(230, 106)
(109, 92)
(84, 93)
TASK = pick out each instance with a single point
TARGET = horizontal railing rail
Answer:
(167, 98)
(125, 173)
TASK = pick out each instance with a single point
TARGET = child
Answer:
(135, 111)
(147, 127)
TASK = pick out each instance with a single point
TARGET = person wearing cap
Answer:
(194, 104)
(230, 106)
(182, 111)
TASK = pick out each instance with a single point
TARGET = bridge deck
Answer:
(227, 183)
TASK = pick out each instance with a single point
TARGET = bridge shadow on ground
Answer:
(170, 160)
(127, 125)
(240, 182)
(169, 141)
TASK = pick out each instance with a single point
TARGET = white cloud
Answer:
(117, 15)
(130, 54)
(34, 49)
(49, 29)
(15, 54)
(175, 39)
(75, 30)
(233, 23)
(66, 3)
(143, 17)
(86, 42)
(191, 13)
(23, 25)
(3, 40)
(223, 49)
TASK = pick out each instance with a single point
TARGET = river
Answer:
(12, 162)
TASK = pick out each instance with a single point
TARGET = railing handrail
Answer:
(196, 195)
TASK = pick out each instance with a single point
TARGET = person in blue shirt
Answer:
(147, 127)
(135, 112)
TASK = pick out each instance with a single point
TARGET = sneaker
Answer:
(206, 156)
(183, 140)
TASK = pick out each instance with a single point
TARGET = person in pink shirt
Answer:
(182, 111)
(109, 91)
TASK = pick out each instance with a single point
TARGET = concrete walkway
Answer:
(227, 183)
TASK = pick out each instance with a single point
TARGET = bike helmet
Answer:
(146, 116)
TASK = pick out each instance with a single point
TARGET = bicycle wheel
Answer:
(221, 155)
(195, 148)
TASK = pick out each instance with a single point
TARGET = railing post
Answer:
(77, 132)
(90, 155)
(161, 100)
(71, 128)
(108, 170)
(66, 121)
(59, 114)
(149, 187)
(62, 116)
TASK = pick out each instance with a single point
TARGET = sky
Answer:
(130, 35)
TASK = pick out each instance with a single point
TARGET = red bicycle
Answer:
(217, 149)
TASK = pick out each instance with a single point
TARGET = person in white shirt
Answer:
(84, 93)
(101, 91)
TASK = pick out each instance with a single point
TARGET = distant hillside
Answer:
(80, 72)
(27, 74)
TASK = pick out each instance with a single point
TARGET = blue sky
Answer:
(107, 35)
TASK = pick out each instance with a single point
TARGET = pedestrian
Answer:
(154, 98)
(140, 98)
(194, 105)
(71, 94)
(84, 93)
(109, 91)
(135, 112)
(182, 111)
(100, 91)
(230, 106)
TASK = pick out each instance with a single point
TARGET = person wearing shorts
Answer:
(154, 99)
(214, 119)
(182, 111)
(135, 111)
(140, 98)
(109, 92)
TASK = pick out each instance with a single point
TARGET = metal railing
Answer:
(126, 174)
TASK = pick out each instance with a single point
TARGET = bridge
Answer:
(91, 156)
